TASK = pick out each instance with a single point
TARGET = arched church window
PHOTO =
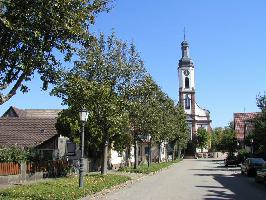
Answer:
(186, 82)
(187, 102)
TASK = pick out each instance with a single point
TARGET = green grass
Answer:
(63, 188)
(144, 169)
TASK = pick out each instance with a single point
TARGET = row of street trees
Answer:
(108, 77)
(123, 101)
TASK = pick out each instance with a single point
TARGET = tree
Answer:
(202, 138)
(216, 136)
(34, 33)
(183, 133)
(228, 140)
(100, 82)
(260, 127)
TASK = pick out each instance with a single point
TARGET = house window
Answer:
(187, 102)
(186, 82)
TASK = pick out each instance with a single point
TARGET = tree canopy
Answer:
(34, 33)
(202, 138)
(224, 139)
(260, 127)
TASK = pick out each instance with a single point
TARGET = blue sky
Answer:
(227, 44)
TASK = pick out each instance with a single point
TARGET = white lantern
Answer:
(83, 114)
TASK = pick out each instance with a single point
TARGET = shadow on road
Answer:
(233, 185)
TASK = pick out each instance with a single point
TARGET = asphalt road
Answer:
(191, 180)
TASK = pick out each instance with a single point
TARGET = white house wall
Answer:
(115, 158)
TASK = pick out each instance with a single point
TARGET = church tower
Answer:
(196, 116)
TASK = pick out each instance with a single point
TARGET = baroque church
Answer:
(197, 117)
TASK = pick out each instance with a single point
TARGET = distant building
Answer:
(243, 124)
(197, 117)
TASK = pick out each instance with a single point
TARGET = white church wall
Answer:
(192, 78)
(199, 111)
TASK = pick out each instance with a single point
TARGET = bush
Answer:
(13, 154)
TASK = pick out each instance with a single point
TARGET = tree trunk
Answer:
(173, 156)
(166, 153)
(149, 156)
(105, 154)
(179, 151)
(128, 163)
(159, 154)
(136, 157)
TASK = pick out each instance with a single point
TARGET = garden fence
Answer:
(9, 168)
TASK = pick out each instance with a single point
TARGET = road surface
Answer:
(192, 180)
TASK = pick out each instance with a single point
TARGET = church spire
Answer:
(185, 46)
(185, 49)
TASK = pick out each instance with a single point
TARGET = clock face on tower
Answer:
(186, 72)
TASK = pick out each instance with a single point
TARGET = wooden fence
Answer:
(9, 168)
(53, 168)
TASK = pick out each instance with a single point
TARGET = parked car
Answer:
(231, 160)
(261, 175)
(251, 165)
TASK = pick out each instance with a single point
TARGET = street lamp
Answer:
(83, 114)
(149, 155)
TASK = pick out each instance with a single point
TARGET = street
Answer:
(192, 179)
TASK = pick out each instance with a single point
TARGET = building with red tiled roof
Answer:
(27, 132)
(243, 124)
(32, 128)
(31, 113)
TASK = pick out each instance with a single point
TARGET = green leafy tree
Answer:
(100, 82)
(228, 141)
(183, 132)
(216, 136)
(33, 33)
(202, 138)
(260, 127)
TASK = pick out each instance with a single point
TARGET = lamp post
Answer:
(149, 154)
(83, 114)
